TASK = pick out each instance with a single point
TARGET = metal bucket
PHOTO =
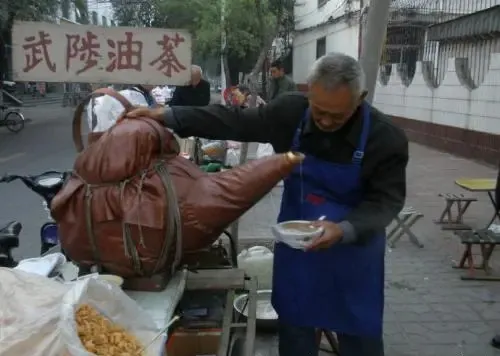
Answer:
(267, 319)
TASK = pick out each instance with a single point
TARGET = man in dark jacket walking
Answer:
(195, 93)
(280, 83)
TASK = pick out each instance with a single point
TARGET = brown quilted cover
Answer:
(120, 208)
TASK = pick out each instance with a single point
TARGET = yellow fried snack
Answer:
(102, 337)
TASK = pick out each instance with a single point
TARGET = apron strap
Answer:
(358, 155)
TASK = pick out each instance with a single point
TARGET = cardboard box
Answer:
(194, 343)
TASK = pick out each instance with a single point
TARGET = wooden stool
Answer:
(448, 220)
(403, 224)
(487, 241)
(330, 338)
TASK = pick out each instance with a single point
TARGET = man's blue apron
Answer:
(341, 288)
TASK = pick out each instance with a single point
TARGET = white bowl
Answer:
(296, 233)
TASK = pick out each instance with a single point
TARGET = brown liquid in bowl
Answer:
(299, 227)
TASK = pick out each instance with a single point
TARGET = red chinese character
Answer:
(126, 55)
(83, 48)
(168, 60)
(39, 51)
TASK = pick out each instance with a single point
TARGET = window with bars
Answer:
(320, 47)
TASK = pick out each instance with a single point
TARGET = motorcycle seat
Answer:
(9, 234)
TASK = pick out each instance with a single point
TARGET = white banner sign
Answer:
(45, 52)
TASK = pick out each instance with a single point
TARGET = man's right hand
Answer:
(155, 114)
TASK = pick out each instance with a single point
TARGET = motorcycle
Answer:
(10, 87)
(46, 185)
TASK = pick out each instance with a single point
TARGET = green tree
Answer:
(30, 10)
(245, 22)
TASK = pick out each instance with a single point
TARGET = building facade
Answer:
(323, 26)
(440, 73)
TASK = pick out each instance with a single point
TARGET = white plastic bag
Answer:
(29, 314)
(114, 304)
(264, 150)
(233, 157)
(103, 111)
(37, 315)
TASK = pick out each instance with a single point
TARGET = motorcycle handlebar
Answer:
(31, 181)
(11, 177)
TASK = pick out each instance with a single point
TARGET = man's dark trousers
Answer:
(302, 341)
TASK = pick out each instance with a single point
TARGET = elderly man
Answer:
(354, 173)
(195, 93)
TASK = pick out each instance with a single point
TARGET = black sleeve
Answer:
(229, 123)
(176, 97)
(384, 192)
(205, 97)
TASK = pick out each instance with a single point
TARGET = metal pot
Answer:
(263, 320)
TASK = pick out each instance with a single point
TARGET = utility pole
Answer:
(223, 78)
(373, 42)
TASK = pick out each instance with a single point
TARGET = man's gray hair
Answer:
(196, 69)
(337, 69)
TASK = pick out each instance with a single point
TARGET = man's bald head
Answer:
(196, 74)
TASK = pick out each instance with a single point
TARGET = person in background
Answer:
(280, 83)
(354, 174)
(247, 96)
(195, 93)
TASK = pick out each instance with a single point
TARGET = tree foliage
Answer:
(29, 10)
(242, 24)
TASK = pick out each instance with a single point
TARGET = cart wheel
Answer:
(14, 121)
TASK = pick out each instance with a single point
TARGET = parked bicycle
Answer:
(11, 118)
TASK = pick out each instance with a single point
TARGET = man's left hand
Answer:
(332, 233)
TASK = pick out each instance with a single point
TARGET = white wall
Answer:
(308, 14)
(478, 53)
(72, 14)
(311, 25)
(340, 37)
(451, 104)
(102, 9)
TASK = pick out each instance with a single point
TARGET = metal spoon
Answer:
(321, 218)
(162, 331)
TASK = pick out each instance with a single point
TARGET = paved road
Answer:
(44, 144)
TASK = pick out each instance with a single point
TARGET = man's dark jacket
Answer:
(189, 95)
